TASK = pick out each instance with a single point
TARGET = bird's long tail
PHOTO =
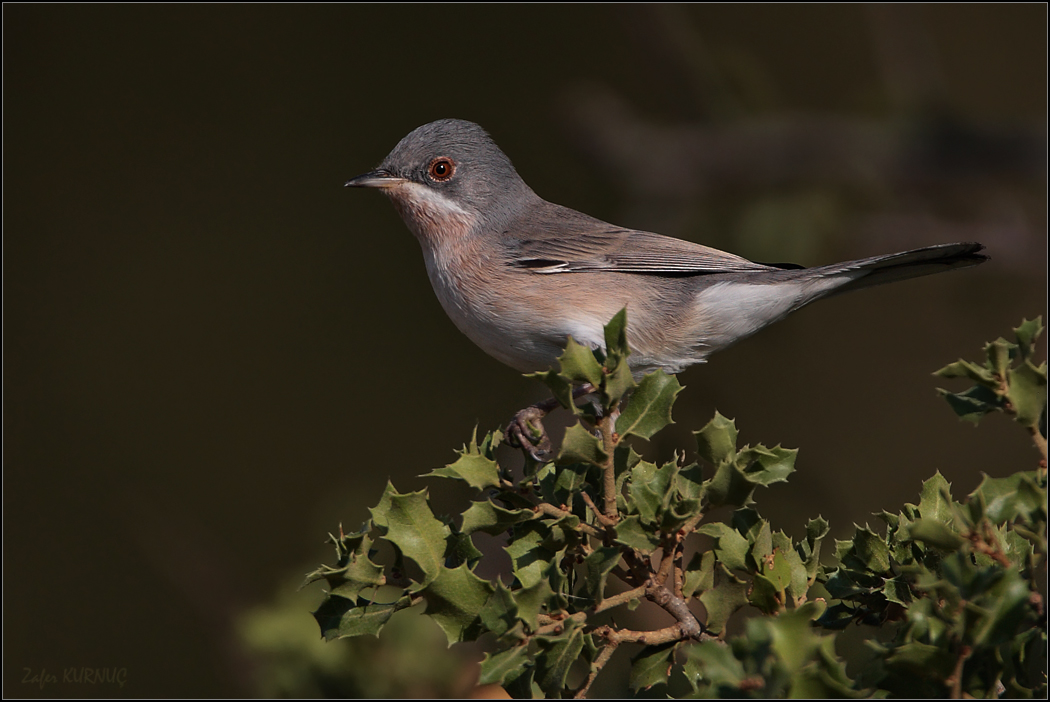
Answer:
(904, 265)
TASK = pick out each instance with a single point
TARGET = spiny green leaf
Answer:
(935, 533)
(699, 574)
(652, 666)
(935, 499)
(1027, 392)
(530, 560)
(579, 365)
(597, 566)
(716, 442)
(727, 596)
(972, 404)
(632, 534)
(769, 465)
(967, 369)
(616, 335)
(730, 546)
(649, 410)
(492, 519)
(998, 354)
(411, 526)
(580, 446)
(340, 617)
(557, 656)
(454, 600)
(1026, 334)
(459, 549)
(497, 668)
(559, 387)
(500, 612)
(532, 600)
(871, 549)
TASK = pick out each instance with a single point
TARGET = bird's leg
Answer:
(526, 431)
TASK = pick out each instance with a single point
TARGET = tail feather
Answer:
(890, 268)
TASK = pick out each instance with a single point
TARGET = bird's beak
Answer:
(375, 179)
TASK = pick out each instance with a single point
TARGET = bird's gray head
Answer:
(447, 165)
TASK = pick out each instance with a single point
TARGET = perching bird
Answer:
(519, 275)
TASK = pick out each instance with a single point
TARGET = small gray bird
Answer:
(518, 275)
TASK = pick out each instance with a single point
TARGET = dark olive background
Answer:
(213, 353)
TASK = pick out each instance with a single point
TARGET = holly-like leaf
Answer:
(579, 365)
(972, 404)
(769, 465)
(649, 410)
(455, 599)
(340, 617)
(500, 613)
(967, 369)
(935, 499)
(872, 550)
(652, 666)
(531, 601)
(474, 465)
(935, 533)
(727, 596)
(1028, 392)
(730, 546)
(530, 560)
(1026, 334)
(498, 668)
(632, 534)
(580, 446)
(597, 567)
(492, 519)
(716, 442)
(411, 526)
(557, 656)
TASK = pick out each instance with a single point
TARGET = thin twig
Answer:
(596, 668)
(553, 511)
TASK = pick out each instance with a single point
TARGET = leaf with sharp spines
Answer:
(967, 369)
(617, 381)
(716, 442)
(505, 666)
(632, 534)
(1027, 392)
(340, 617)
(970, 405)
(935, 533)
(872, 550)
(500, 612)
(411, 526)
(476, 470)
(730, 546)
(492, 519)
(455, 599)
(699, 574)
(597, 567)
(769, 465)
(530, 560)
(579, 365)
(558, 653)
(559, 387)
(616, 335)
(531, 601)
(1026, 334)
(580, 446)
(727, 596)
(998, 354)
(935, 499)
(460, 549)
(651, 666)
(649, 409)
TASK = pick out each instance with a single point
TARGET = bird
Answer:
(519, 275)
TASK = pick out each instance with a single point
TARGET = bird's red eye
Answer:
(442, 168)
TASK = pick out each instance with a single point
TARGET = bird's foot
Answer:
(526, 432)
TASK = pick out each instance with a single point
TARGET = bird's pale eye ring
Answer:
(441, 168)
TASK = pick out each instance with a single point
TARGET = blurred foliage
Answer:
(950, 596)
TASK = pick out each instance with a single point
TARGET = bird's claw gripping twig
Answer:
(526, 432)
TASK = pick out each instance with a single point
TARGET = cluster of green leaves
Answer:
(1008, 381)
(952, 587)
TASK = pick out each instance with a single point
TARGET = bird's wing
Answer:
(543, 247)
